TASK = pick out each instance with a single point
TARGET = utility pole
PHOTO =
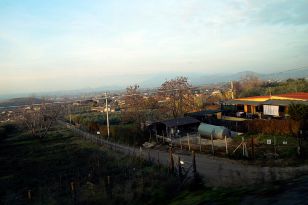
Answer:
(107, 117)
(232, 90)
(70, 113)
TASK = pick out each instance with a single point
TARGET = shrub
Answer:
(280, 127)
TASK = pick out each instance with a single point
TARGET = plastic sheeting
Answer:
(271, 110)
(218, 132)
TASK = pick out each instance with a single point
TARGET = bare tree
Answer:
(249, 85)
(152, 108)
(134, 105)
(177, 96)
(250, 81)
(39, 118)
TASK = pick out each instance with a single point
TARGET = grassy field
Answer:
(63, 169)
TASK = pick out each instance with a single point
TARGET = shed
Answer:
(203, 115)
(175, 127)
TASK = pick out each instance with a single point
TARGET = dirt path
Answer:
(292, 192)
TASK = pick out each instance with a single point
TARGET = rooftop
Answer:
(299, 96)
(180, 121)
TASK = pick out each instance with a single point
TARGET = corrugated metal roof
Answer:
(302, 96)
(202, 113)
(298, 95)
(242, 102)
(180, 121)
(284, 102)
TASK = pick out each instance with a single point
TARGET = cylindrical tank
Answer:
(218, 132)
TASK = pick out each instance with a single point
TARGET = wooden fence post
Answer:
(181, 143)
(252, 148)
(149, 156)
(29, 195)
(171, 162)
(212, 144)
(194, 162)
(188, 140)
(227, 152)
(200, 143)
(180, 168)
(158, 162)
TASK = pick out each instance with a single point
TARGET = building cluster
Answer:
(272, 106)
(231, 114)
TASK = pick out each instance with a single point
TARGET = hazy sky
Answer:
(71, 44)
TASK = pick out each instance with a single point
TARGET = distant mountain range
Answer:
(203, 79)
(20, 101)
(153, 81)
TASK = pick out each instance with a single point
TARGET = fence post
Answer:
(212, 144)
(252, 148)
(140, 152)
(158, 162)
(188, 141)
(171, 162)
(149, 156)
(180, 168)
(200, 143)
(194, 163)
(29, 194)
(227, 152)
(181, 143)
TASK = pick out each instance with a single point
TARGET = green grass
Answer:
(48, 166)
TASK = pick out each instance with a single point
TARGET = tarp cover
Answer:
(218, 132)
(271, 110)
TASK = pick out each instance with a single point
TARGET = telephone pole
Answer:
(107, 115)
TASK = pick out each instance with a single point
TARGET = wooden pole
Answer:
(237, 147)
(171, 162)
(227, 152)
(188, 142)
(181, 143)
(252, 148)
(243, 147)
(149, 156)
(29, 194)
(200, 146)
(212, 144)
(72, 186)
(194, 162)
(180, 168)
(298, 146)
(150, 136)
(140, 152)
(158, 162)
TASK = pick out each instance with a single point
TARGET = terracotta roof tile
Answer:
(299, 95)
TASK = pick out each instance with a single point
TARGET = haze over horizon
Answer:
(63, 45)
